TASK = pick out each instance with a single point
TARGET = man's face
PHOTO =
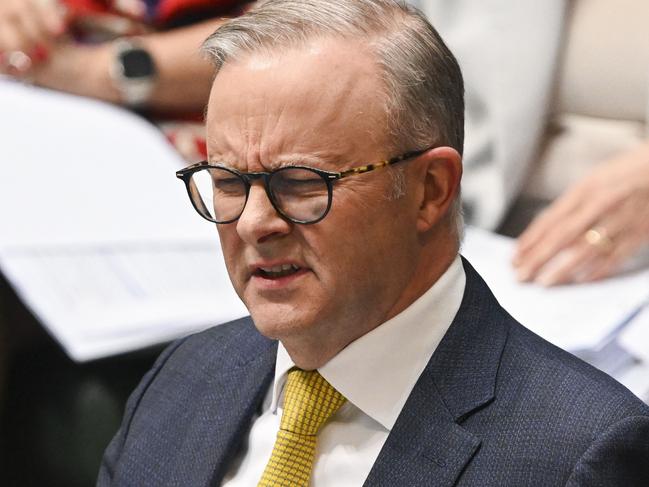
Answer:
(320, 106)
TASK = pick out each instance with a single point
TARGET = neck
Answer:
(313, 350)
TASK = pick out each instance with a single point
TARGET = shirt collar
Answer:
(374, 374)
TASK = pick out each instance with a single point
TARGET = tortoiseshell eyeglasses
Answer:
(300, 194)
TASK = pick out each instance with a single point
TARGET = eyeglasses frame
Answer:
(329, 177)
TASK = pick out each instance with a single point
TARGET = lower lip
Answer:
(278, 282)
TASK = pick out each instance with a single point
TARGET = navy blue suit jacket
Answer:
(495, 406)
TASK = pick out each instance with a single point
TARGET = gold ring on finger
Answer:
(598, 237)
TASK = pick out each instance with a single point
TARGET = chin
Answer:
(278, 321)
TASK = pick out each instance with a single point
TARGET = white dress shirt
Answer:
(376, 373)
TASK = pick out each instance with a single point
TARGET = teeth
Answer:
(280, 270)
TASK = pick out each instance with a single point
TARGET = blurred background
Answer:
(103, 261)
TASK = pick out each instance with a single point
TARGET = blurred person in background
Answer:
(142, 54)
(557, 107)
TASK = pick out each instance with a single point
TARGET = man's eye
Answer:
(228, 185)
(302, 182)
(226, 181)
(297, 176)
(303, 185)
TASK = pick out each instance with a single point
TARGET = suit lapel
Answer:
(425, 447)
(428, 445)
(235, 385)
(251, 378)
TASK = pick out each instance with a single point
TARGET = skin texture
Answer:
(613, 198)
(27, 24)
(371, 256)
(39, 29)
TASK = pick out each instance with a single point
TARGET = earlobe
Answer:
(441, 182)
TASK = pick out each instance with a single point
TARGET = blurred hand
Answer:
(79, 69)
(84, 68)
(28, 28)
(593, 228)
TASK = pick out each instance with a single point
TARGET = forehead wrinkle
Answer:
(236, 141)
(273, 127)
(221, 148)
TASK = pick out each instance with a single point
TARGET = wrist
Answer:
(78, 69)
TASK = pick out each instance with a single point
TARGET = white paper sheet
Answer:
(636, 379)
(572, 316)
(635, 338)
(97, 235)
(99, 301)
(77, 171)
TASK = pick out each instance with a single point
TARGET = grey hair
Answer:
(423, 84)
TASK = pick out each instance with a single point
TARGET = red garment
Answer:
(169, 9)
(102, 20)
(162, 12)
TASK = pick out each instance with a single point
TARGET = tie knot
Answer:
(309, 401)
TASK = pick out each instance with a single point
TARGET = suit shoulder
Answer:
(538, 376)
(215, 347)
(568, 383)
(616, 457)
(236, 331)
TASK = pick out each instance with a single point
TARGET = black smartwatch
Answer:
(133, 72)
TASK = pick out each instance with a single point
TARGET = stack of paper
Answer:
(606, 323)
(96, 233)
(573, 317)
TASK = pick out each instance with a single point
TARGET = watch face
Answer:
(137, 63)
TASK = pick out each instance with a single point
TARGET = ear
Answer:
(440, 176)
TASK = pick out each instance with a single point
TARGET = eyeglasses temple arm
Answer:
(377, 165)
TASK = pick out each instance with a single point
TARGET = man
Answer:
(374, 355)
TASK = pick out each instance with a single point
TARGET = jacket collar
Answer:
(428, 445)
(252, 372)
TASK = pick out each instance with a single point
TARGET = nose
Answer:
(259, 221)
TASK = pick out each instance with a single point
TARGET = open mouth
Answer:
(277, 272)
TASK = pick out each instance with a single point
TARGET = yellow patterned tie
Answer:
(309, 400)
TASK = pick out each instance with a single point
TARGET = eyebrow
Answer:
(288, 160)
(303, 160)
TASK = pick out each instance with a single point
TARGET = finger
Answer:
(20, 27)
(52, 16)
(605, 267)
(584, 204)
(564, 232)
(11, 39)
(624, 248)
(557, 211)
(568, 264)
(601, 270)
(628, 228)
(32, 30)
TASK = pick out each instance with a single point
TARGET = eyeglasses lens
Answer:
(299, 194)
(218, 194)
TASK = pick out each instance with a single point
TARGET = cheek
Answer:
(355, 250)
(380, 242)
(230, 246)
